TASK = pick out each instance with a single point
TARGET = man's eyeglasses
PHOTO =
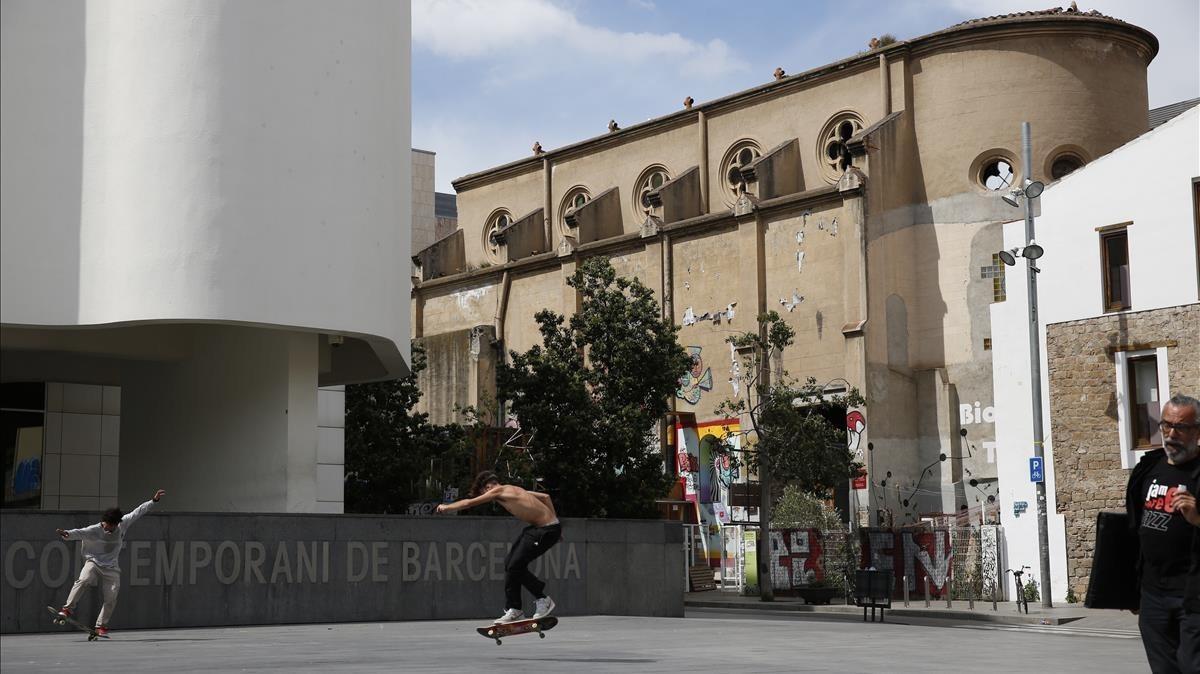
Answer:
(1167, 427)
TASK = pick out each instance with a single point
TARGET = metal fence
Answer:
(928, 563)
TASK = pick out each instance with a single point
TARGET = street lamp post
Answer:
(1027, 192)
(1035, 362)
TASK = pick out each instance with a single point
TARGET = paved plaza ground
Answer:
(710, 640)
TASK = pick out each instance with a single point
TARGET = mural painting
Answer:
(706, 474)
(695, 381)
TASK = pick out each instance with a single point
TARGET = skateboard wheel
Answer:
(541, 635)
(491, 633)
(497, 642)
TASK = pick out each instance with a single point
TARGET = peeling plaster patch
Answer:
(791, 305)
(800, 238)
(833, 228)
(687, 285)
(466, 298)
(799, 261)
(689, 316)
(735, 369)
(729, 312)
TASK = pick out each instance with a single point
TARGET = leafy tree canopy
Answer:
(591, 395)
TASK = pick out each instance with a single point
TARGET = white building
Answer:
(1119, 319)
(204, 202)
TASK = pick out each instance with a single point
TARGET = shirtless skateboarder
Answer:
(536, 510)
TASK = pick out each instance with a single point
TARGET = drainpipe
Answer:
(702, 124)
(546, 212)
(885, 83)
(498, 323)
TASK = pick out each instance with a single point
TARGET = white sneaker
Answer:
(512, 615)
(543, 607)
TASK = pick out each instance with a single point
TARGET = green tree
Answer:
(590, 396)
(797, 426)
(394, 456)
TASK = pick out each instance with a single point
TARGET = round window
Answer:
(493, 239)
(650, 179)
(996, 174)
(834, 144)
(741, 155)
(1064, 165)
(574, 199)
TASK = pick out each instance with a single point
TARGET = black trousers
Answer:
(531, 544)
(1170, 635)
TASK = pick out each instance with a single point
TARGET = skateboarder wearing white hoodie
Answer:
(101, 545)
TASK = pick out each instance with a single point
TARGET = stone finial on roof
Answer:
(537, 148)
(687, 103)
(874, 43)
(1074, 7)
(612, 125)
(780, 73)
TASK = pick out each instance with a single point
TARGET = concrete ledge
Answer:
(1006, 615)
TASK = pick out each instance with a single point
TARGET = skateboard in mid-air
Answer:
(539, 625)
(63, 620)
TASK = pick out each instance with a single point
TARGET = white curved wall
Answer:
(208, 161)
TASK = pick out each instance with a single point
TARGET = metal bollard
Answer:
(949, 594)
(971, 596)
(906, 591)
(926, 578)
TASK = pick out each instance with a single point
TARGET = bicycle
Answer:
(1021, 599)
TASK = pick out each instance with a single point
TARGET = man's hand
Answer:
(157, 495)
(1185, 503)
(62, 533)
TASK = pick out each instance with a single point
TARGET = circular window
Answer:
(650, 179)
(833, 150)
(996, 174)
(738, 157)
(493, 244)
(574, 198)
(995, 171)
(1064, 161)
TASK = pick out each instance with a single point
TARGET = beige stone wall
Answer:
(819, 317)
(529, 294)
(1073, 86)
(1083, 412)
(424, 224)
(619, 166)
(800, 114)
(459, 306)
(519, 195)
(706, 269)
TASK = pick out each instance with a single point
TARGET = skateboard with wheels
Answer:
(61, 620)
(539, 625)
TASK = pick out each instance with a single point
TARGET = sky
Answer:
(490, 77)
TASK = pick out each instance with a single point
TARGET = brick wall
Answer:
(1083, 412)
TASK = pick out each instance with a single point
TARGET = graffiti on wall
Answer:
(705, 473)
(795, 558)
(911, 554)
(856, 425)
(696, 380)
